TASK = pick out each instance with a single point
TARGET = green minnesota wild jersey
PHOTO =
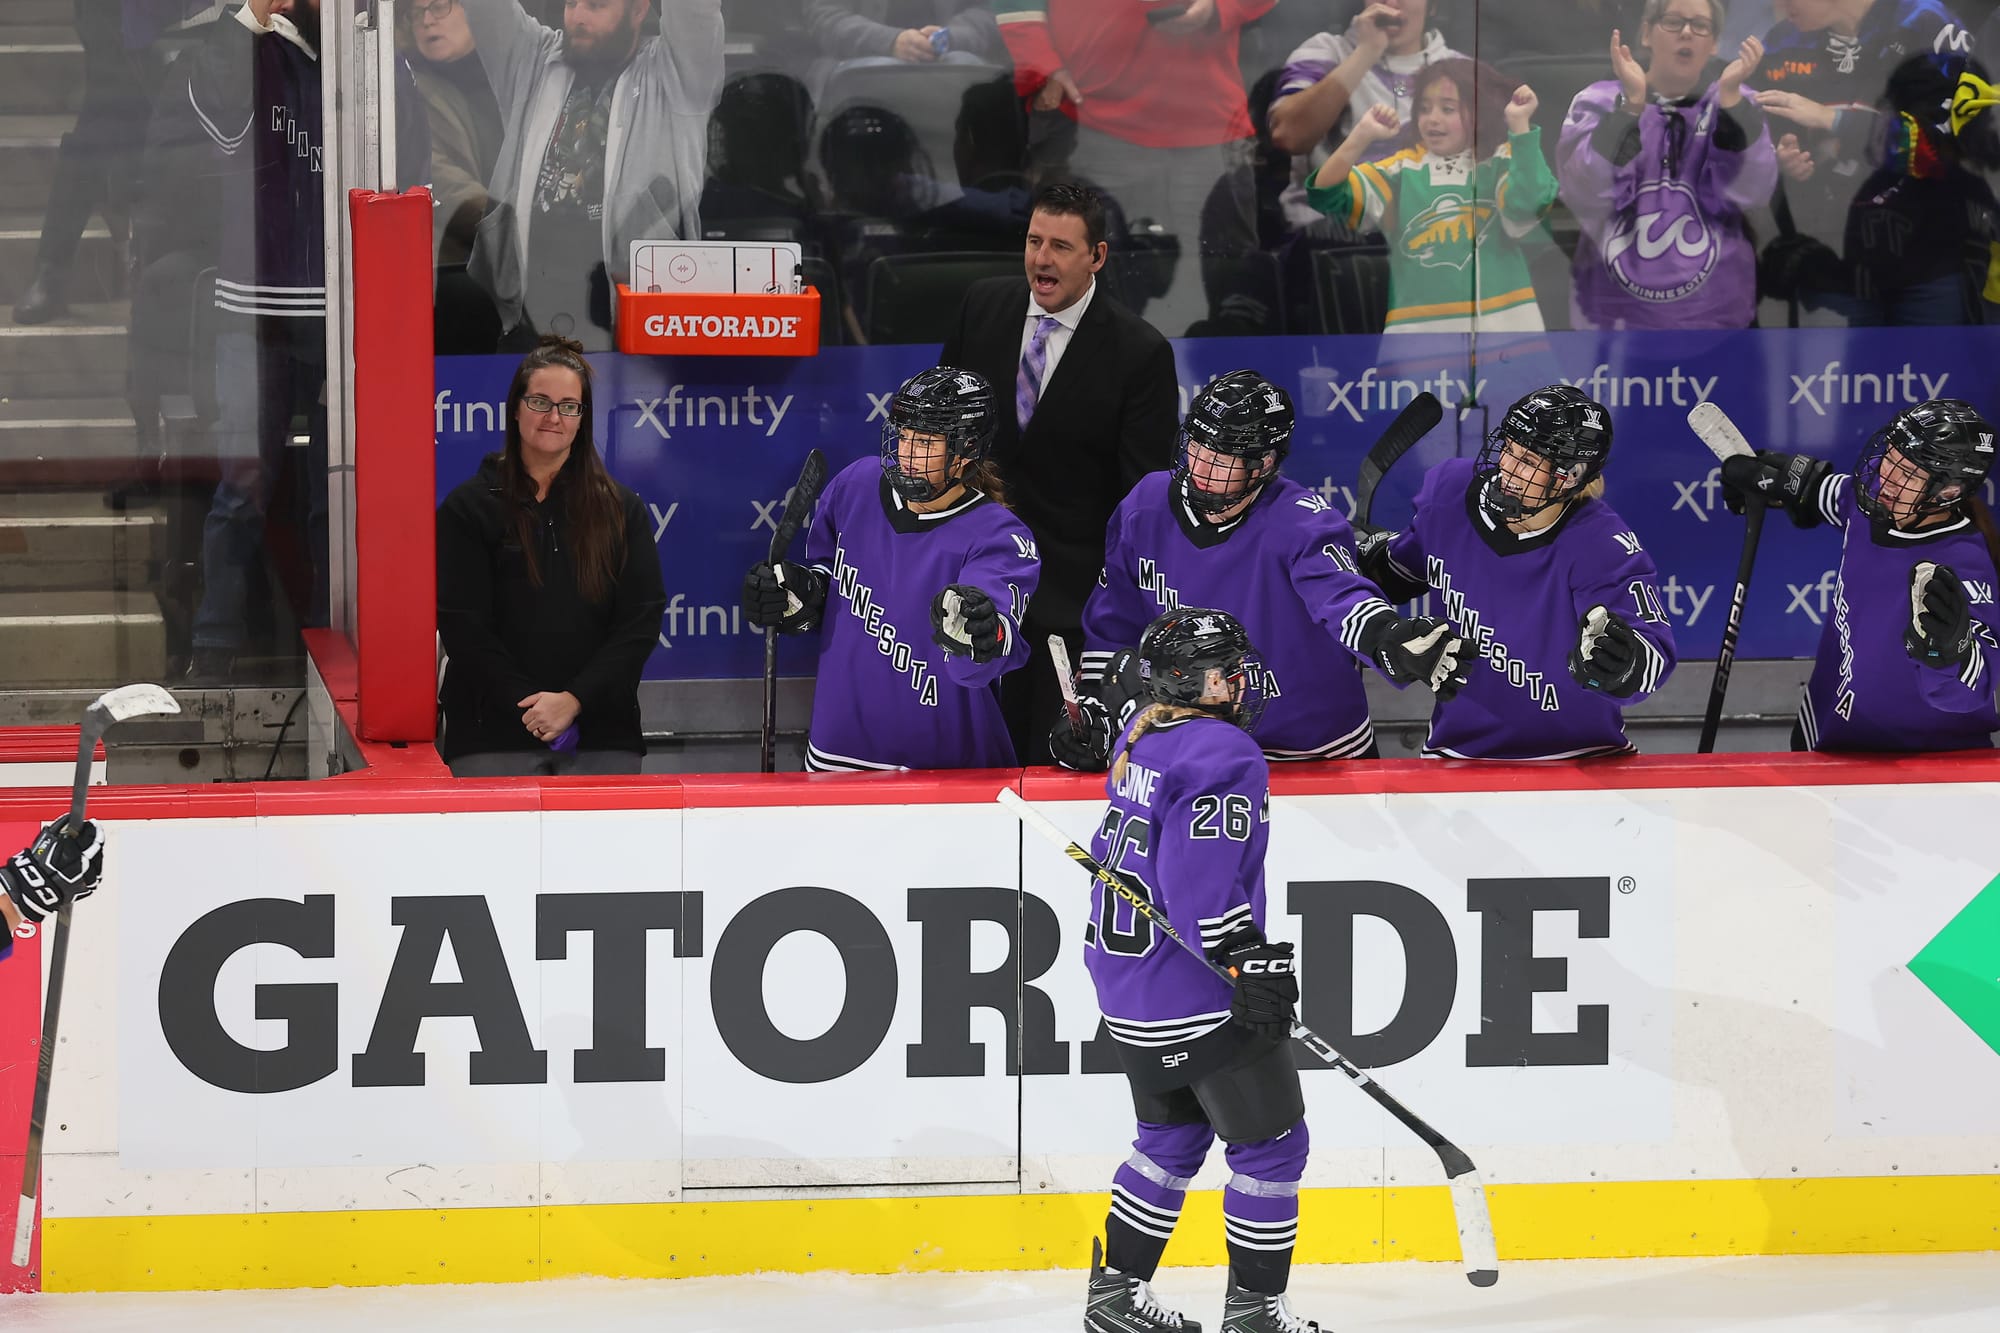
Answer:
(1454, 228)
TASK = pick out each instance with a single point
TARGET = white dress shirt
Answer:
(1058, 338)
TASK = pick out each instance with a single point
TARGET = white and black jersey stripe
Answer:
(1353, 745)
(1656, 665)
(1165, 1031)
(1260, 1235)
(1216, 929)
(1827, 498)
(1090, 667)
(1141, 1216)
(822, 761)
(1587, 752)
(1354, 625)
(1808, 724)
(245, 298)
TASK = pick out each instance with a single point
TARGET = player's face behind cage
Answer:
(940, 423)
(1520, 483)
(923, 459)
(1216, 482)
(1894, 487)
(1924, 462)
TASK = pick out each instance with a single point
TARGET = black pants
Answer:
(1031, 699)
(100, 154)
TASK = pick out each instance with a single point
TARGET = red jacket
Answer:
(1138, 83)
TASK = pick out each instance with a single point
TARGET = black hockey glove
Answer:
(1267, 986)
(1787, 480)
(1422, 649)
(1371, 554)
(1088, 751)
(964, 620)
(1608, 656)
(54, 869)
(785, 597)
(1940, 631)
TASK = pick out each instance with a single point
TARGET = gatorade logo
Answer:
(722, 328)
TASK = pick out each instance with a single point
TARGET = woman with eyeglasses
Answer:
(1660, 164)
(549, 592)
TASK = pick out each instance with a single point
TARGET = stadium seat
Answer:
(1351, 288)
(915, 298)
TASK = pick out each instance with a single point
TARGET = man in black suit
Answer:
(1095, 406)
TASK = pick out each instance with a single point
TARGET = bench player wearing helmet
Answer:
(916, 578)
(1549, 586)
(1187, 824)
(1225, 529)
(1905, 660)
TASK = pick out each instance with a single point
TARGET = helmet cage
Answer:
(1946, 443)
(1510, 497)
(965, 423)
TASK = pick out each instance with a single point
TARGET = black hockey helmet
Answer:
(1246, 419)
(1178, 650)
(943, 401)
(1945, 439)
(1563, 426)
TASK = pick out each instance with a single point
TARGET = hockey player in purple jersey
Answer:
(1187, 824)
(1225, 529)
(916, 578)
(52, 870)
(1906, 659)
(1546, 582)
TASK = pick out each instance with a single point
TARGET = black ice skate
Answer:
(1253, 1312)
(1120, 1303)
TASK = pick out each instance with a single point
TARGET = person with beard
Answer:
(253, 96)
(605, 144)
(1672, 151)
(1334, 79)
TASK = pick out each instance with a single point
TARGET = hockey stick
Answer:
(111, 707)
(1059, 655)
(1411, 424)
(1714, 428)
(804, 495)
(1468, 1194)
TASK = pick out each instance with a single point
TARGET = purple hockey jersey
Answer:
(1866, 692)
(1664, 243)
(1285, 568)
(887, 696)
(1188, 822)
(1518, 600)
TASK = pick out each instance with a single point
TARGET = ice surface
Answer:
(1837, 1294)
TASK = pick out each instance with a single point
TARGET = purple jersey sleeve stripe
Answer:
(1301, 75)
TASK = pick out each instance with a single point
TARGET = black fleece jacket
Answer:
(508, 638)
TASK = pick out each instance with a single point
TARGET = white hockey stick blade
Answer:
(1475, 1230)
(24, 1231)
(130, 701)
(1066, 678)
(1713, 428)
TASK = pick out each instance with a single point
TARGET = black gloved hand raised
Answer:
(1267, 984)
(1940, 629)
(965, 620)
(1087, 751)
(1421, 649)
(54, 869)
(785, 597)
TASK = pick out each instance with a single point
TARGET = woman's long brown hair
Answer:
(1152, 715)
(593, 513)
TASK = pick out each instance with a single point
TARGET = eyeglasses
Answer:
(537, 402)
(1676, 24)
(437, 9)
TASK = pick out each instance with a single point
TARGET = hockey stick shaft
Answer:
(805, 494)
(109, 708)
(1475, 1225)
(1411, 425)
(1066, 680)
(1713, 428)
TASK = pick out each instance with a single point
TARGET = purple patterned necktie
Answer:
(1028, 382)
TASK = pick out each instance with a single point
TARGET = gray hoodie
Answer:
(654, 159)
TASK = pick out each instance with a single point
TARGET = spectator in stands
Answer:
(757, 146)
(99, 154)
(880, 181)
(1920, 237)
(989, 152)
(1455, 200)
(1336, 78)
(1826, 65)
(1095, 405)
(1671, 152)
(1162, 116)
(253, 88)
(465, 145)
(549, 591)
(606, 136)
(853, 33)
